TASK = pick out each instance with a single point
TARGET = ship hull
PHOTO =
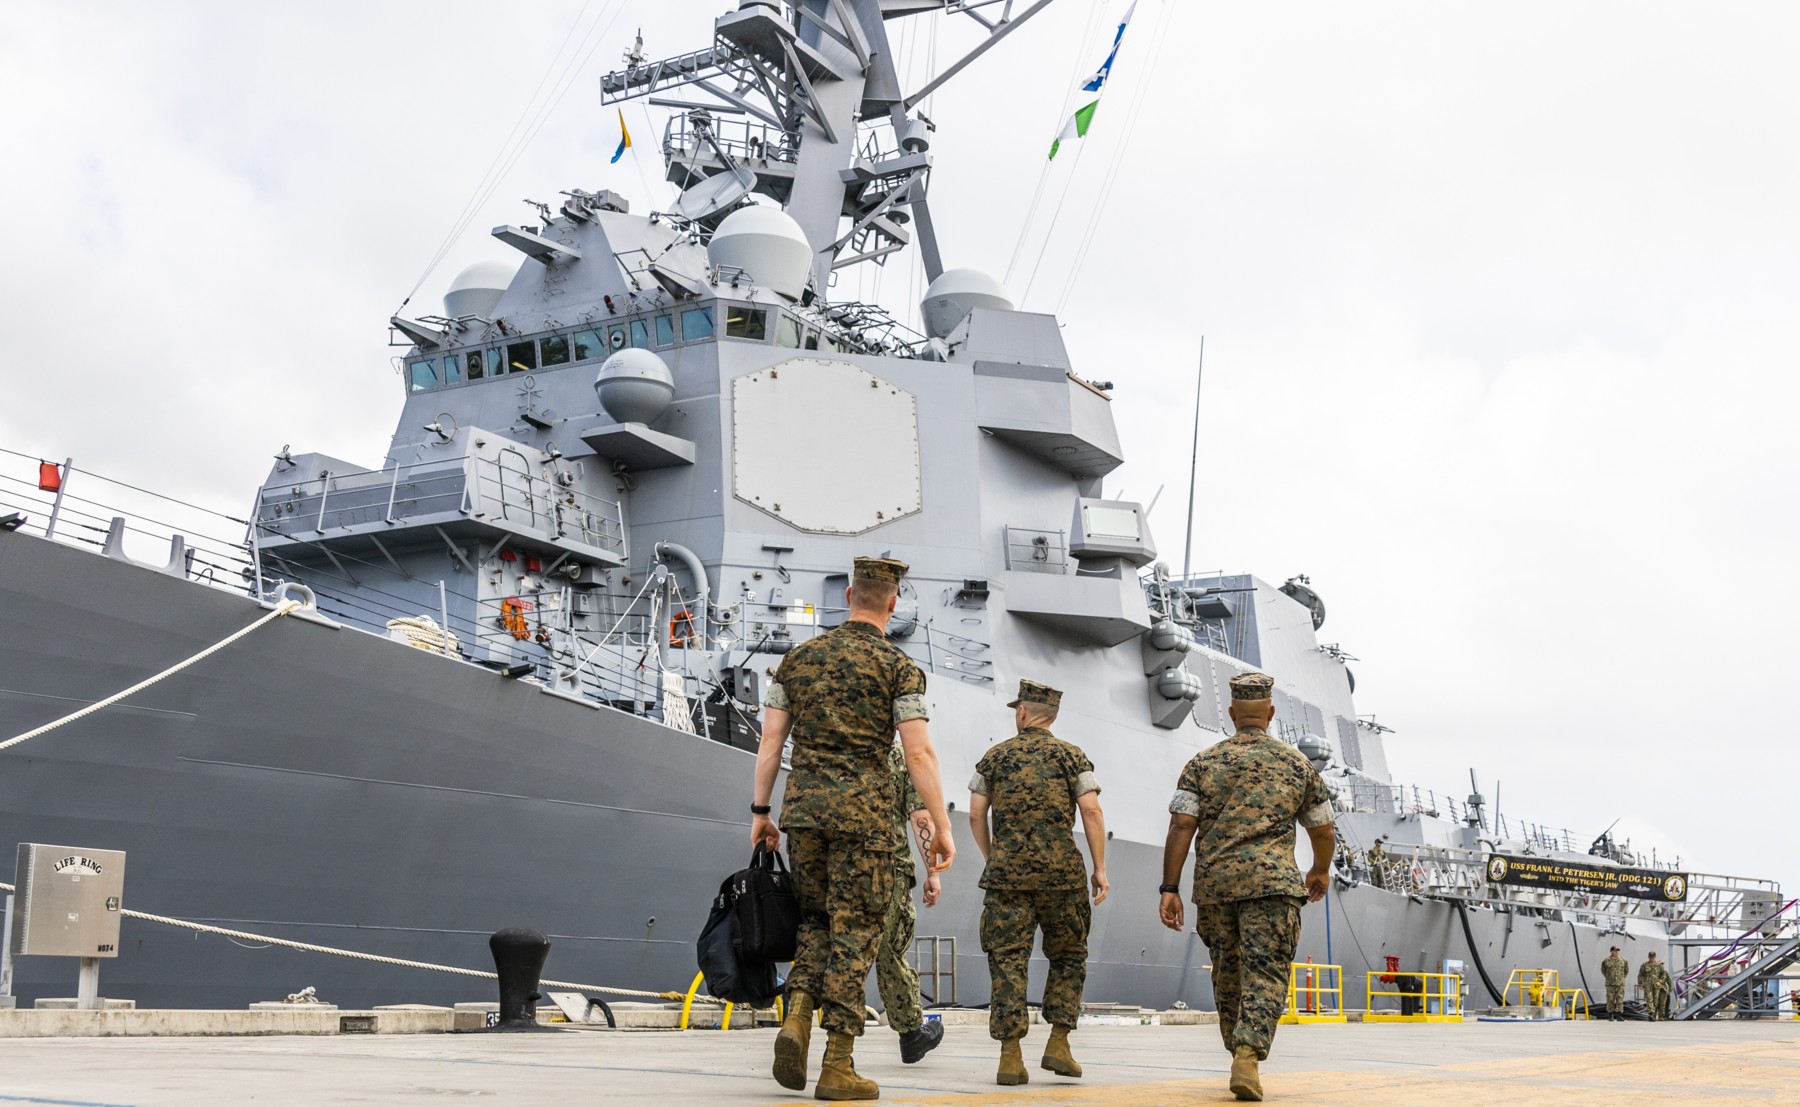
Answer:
(329, 786)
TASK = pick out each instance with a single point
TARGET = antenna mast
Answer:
(1187, 555)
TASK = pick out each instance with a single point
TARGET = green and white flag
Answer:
(1089, 94)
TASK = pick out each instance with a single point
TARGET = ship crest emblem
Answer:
(1675, 887)
(1496, 869)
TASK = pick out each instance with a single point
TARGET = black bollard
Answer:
(519, 954)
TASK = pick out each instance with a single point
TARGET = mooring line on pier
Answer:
(280, 609)
(400, 962)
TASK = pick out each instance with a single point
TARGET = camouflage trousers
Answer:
(894, 974)
(844, 885)
(1657, 999)
(1010, 919)
(1252, 942)
(1615, 999)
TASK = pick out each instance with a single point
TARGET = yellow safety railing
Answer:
(1535, 988)
(1438, 995)
(1315, 994)
(1573, 1000)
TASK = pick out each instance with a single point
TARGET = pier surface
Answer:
(1598, 1063)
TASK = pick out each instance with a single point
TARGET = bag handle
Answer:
(766, 858)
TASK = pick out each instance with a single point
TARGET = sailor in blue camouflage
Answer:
(894, 974)
(846, 692)
(1243, 796)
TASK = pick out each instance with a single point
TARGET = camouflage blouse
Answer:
(847, 690)
(1032, 781)
(1247, 792)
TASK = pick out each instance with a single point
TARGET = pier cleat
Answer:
(915, 1044)
(1245, 1083)
(838, 1078)
(1012, 1065)
(1057, 1057)
(792, 1043)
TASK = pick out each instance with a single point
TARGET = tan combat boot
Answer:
(1012, 1064)
(838, 1078)
(1245, 1083)
(1057, 1057)
(793, 1041)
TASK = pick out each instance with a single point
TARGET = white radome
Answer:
(634, 386)
(768, 245)
(954, 294)
(477, 290)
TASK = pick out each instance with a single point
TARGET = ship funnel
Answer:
(634, 386)
(954, 294)
(766, 245)
(477, 290)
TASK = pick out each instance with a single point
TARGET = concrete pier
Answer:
(1598, 1063)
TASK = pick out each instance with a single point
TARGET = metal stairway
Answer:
(1750, 963)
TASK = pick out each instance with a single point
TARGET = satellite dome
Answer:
(477, 290)
(634, 386)
(954, 294)
(767, 245)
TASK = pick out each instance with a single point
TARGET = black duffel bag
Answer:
(768, 915)
(730, 976)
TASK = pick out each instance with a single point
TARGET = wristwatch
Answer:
(1169, 889)
(760, 809)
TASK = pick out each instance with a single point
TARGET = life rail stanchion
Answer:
(1439, 996)
(1323, 1003)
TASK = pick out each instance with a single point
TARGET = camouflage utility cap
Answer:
(1030, 691)
(1252, 686)
(884, 569)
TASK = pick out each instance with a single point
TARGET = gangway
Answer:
(1749, 965)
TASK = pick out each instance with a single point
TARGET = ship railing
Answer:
(1029, 550)
(746, 140)
(83, 517)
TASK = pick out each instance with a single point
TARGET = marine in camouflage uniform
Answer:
(1654, 978)
(1035, 880)
(1616, 970)
(841, 696)
(1242, 797)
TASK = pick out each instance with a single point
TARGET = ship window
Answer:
(521, 357)
(453, 369)
(829, 342)
(496, 362)
(473, 360)
(747, 322)
(587, 345)
(787, 332)
(424, 375)
(696, 323)
(665, 330)
(640, 334)
(555, 349)
(812, 339)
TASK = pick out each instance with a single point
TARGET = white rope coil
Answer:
(422, 631)
(281, 609)
(401, 962)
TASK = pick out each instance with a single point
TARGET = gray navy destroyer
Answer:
(632, 467)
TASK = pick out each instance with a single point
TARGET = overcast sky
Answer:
(1500, 307)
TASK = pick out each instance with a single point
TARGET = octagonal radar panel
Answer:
(795, 457)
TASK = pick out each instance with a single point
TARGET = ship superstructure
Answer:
(631, 470)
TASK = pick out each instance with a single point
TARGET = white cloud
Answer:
(1499, 306)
